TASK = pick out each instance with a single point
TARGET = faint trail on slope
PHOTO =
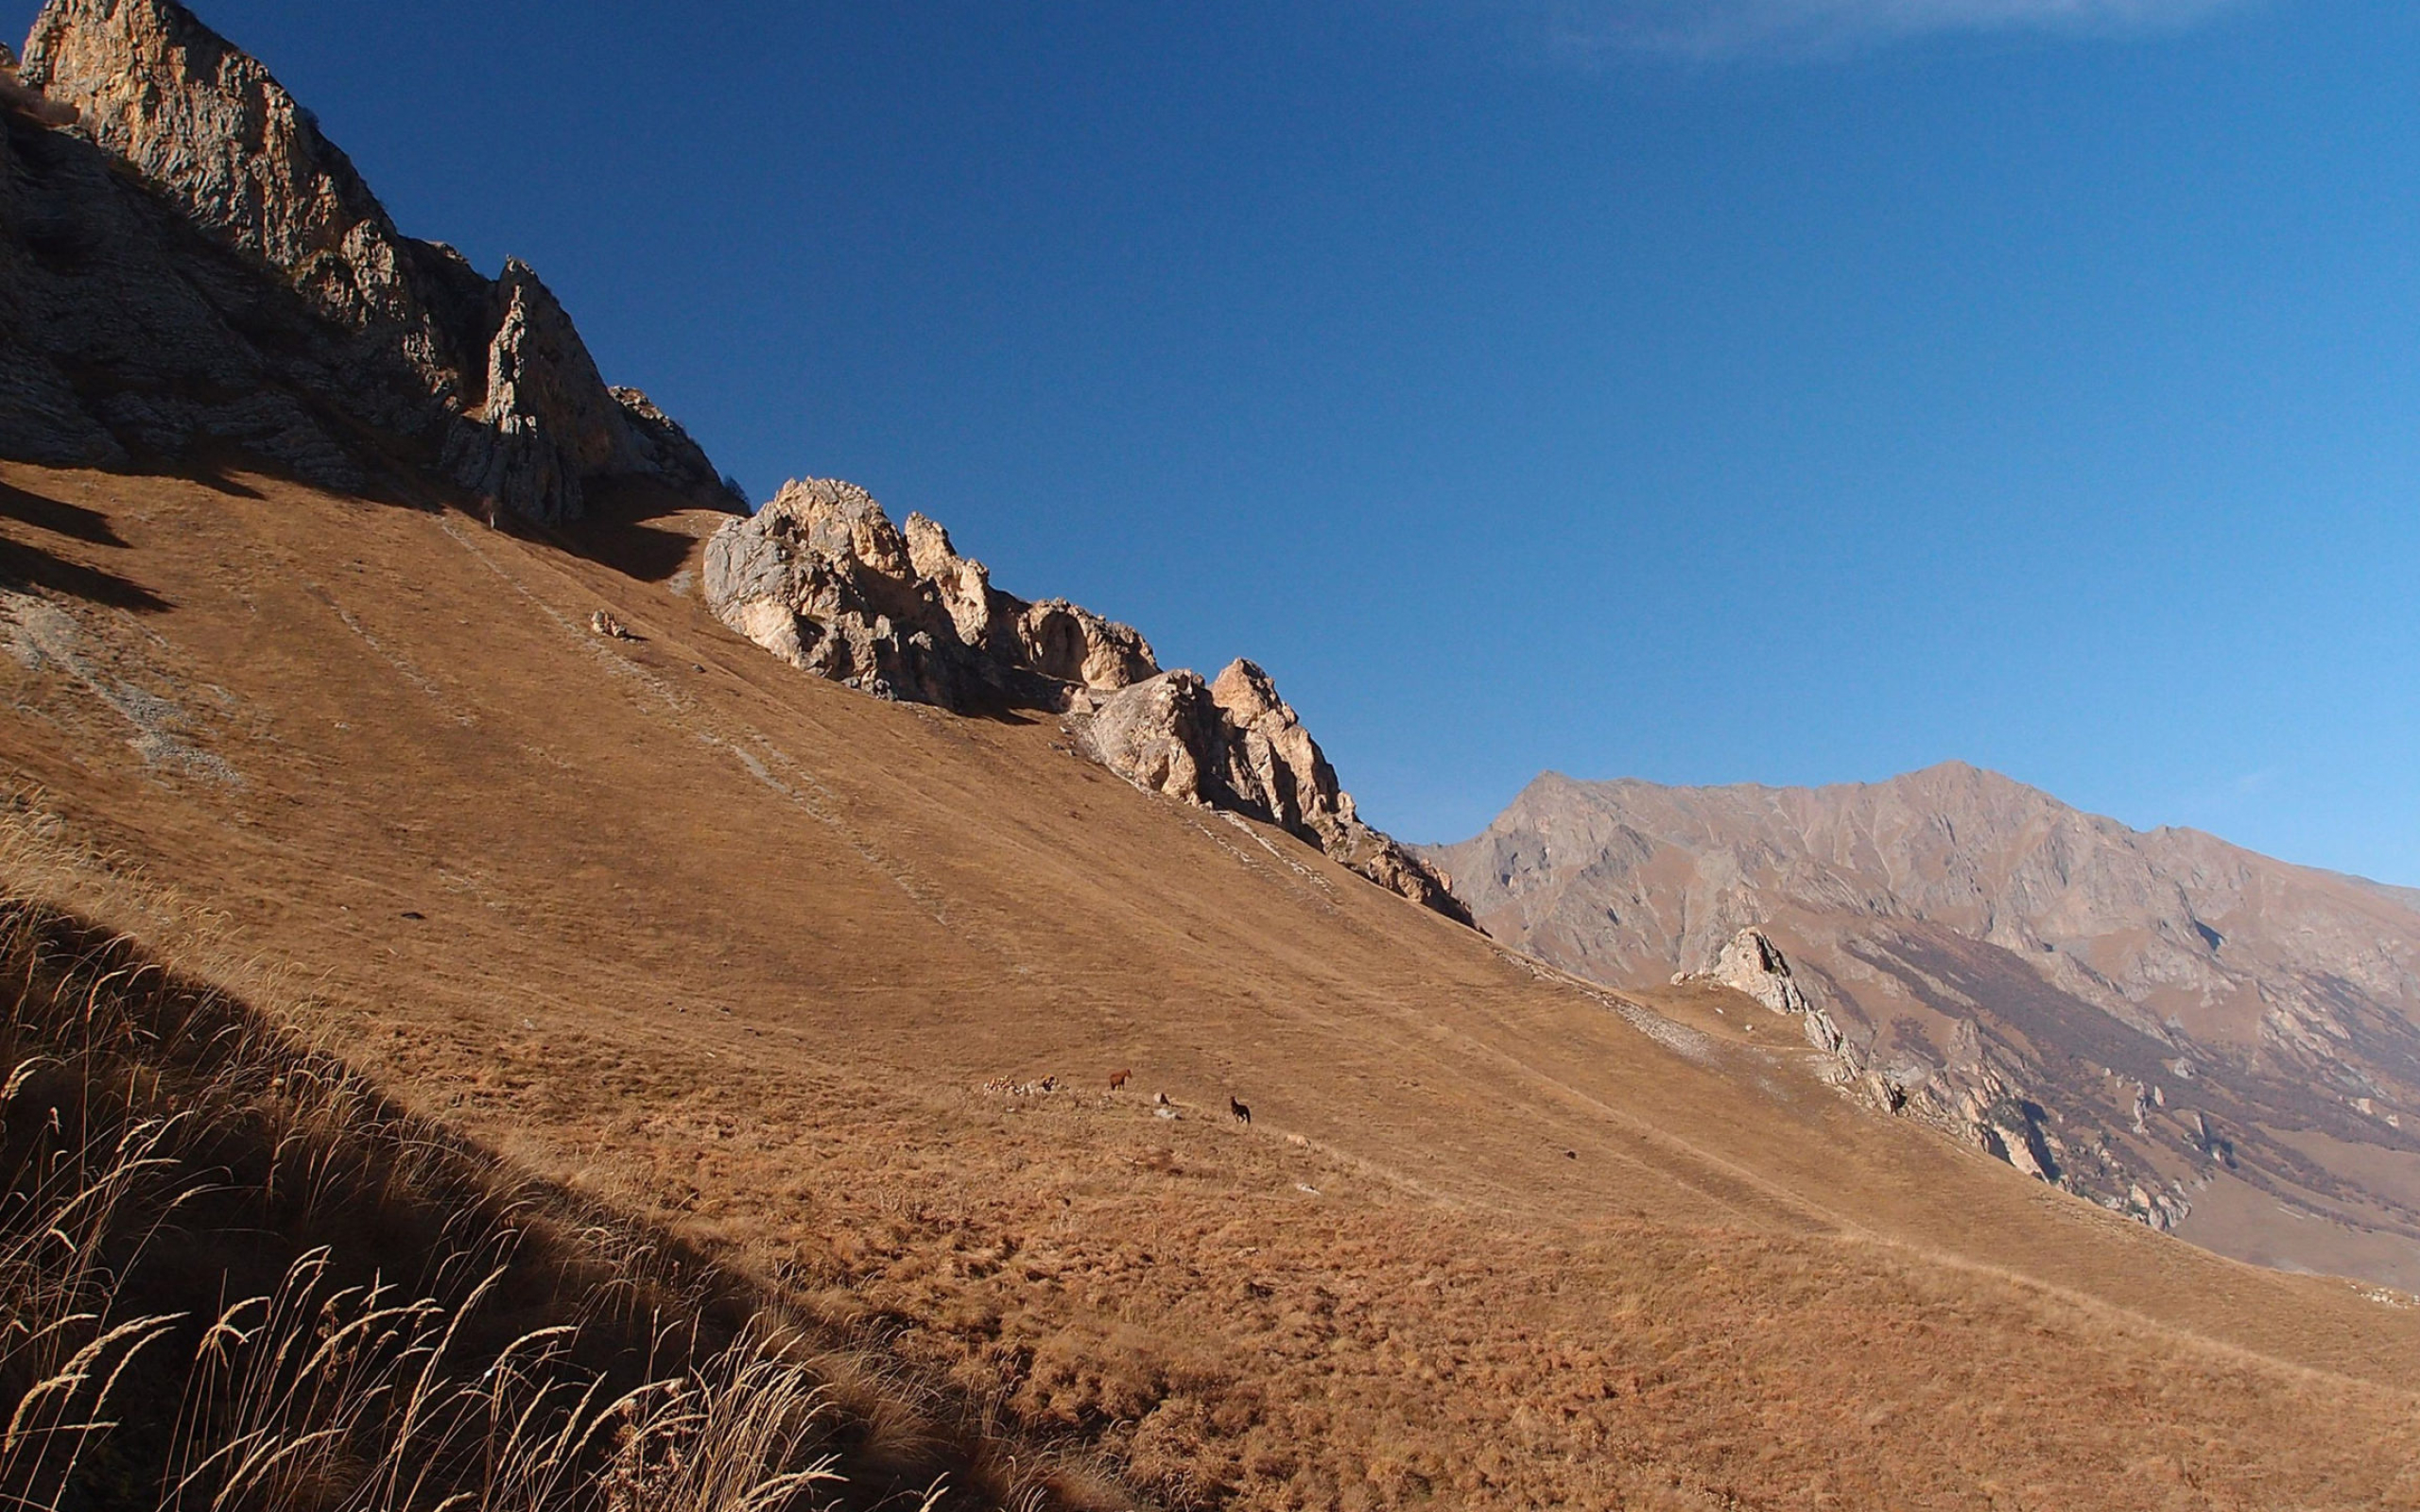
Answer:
(1678, 1038)
(401, 663)
(1283, 859)
(48, 638)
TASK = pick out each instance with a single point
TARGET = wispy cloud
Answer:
(1721, 27)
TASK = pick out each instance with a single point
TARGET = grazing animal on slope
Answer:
(1118, 1079)
(1243, 1114)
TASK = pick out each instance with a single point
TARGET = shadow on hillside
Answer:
(223, 479)
(57, 516)
(23, 563)
(262, 1169)
(618, 530)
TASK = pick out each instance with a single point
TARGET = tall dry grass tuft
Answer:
(234, 1275)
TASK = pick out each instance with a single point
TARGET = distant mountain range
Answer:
(2221, 1043)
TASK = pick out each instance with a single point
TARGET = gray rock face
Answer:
(349, 326)
(225, 142)
(1233, 744)
(1752, 964)
(2134, 1016)
(1165, 735)
(822, 578)
(124, 331)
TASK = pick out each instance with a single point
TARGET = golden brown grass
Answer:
(734, 954)
(234, 1275)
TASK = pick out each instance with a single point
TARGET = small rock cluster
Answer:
(822, 578)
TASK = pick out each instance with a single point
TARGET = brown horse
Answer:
(1118, 1079)
(1243, 1114)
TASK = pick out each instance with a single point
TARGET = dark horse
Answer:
(1243, 1114)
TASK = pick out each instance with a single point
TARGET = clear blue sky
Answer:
(1779, 391)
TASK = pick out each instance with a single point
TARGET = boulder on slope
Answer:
(1752, 963)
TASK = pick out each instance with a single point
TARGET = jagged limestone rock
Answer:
(1236, 744)
(1074, 644)
(1277, 766)
(822, 578)
(387, 333)
(1752, 963)
(1164, 734)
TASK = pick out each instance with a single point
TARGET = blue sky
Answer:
(1776, 390)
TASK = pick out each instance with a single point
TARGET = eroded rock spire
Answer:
(394, 334)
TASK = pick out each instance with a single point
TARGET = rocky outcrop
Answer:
(1753, 966)
(17, 99)
(1750, 962)
(124, 331)
(1233, 744)
(822, 578)
(1165, 735)
(1277, 765)
(222, 140)
(354, 339)
(1977, 1096)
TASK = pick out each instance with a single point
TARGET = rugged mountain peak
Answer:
(225, 142)
(2043, 982)
(399, 336)
(822, 578)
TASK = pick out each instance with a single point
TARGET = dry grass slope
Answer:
(234, 1275)
(691, 938)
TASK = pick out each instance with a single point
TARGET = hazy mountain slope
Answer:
(2192, 1019)
(2408, 897)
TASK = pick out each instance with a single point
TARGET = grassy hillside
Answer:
(237, 1274)
(736, 957)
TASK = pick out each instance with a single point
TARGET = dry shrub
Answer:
(234, 1275)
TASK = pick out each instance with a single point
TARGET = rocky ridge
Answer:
(822, 578)
(1967, 1096)
(192, 272)
(2137, 1017)
(190, 265)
